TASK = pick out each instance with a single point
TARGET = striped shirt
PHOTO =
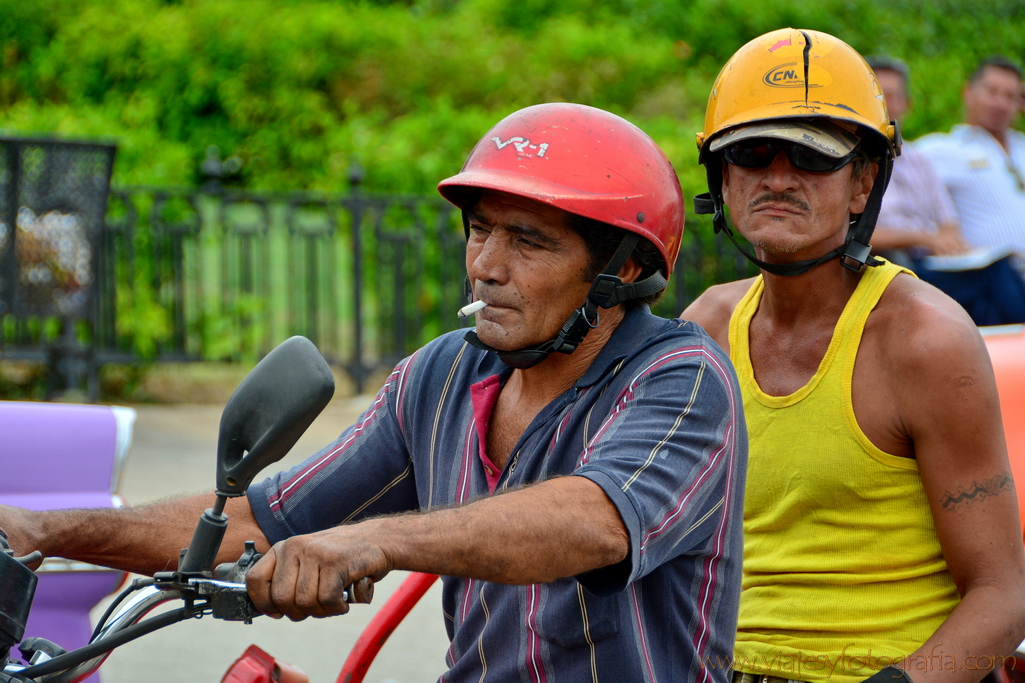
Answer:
(986, 183)
(656, 422)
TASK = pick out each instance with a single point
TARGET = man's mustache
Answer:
(772, 197)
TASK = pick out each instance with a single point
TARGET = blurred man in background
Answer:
(917, 215)
(982, 161)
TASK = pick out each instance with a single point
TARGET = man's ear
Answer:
(630, 270)
(862, 187)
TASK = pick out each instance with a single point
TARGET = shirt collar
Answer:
(634, 330)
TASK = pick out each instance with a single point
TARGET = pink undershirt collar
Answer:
(484, 396)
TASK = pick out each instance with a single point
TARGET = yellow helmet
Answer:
(800, 79)
(795, 73)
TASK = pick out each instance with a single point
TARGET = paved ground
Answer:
(173, 452)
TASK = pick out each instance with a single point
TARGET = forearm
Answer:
(978, 635)
(946, 240)
(551, 530)
(143, 539)
(889, 238)
(555, 529)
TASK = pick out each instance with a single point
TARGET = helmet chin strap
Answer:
(606, 291)
(854, 253)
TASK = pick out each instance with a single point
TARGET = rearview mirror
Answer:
(269, 411)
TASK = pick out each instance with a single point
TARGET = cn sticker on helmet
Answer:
(522, 145)
(791, 75)
(788, 75)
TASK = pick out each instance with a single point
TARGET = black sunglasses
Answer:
(759, 153)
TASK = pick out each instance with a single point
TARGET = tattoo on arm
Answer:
(978, 491)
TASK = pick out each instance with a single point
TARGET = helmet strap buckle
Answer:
(576, 328)
(605, 290)
(855, 256)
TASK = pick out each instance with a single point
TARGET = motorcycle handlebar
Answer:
(121, 628)
(227, 600)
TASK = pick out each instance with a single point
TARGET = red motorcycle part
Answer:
(256, 666)
(382, 625)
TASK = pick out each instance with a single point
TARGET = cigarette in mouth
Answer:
(470, 309)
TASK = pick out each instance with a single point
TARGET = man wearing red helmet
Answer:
(584, 510)
(881, 531)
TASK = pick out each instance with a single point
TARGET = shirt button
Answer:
(489, 470)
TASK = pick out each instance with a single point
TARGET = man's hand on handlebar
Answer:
(306, 576)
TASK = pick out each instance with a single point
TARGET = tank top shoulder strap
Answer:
(740, 322)
(866, 296)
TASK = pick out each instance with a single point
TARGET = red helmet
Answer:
(584, 161)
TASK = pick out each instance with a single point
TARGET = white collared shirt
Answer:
(986, 183)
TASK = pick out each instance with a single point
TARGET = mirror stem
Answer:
(206, 540)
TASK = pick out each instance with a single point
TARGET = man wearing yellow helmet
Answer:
(881, 526)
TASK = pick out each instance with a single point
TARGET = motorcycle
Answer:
(265, 416)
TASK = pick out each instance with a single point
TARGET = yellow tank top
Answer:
(842, 567)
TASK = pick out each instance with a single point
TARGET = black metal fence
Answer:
(217, 273)
(225, 274)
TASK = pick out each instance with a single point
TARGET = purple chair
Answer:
(53, 456)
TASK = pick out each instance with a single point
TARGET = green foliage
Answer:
(22, 380)
(225, 338)
(304, 90)
(142, 319)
